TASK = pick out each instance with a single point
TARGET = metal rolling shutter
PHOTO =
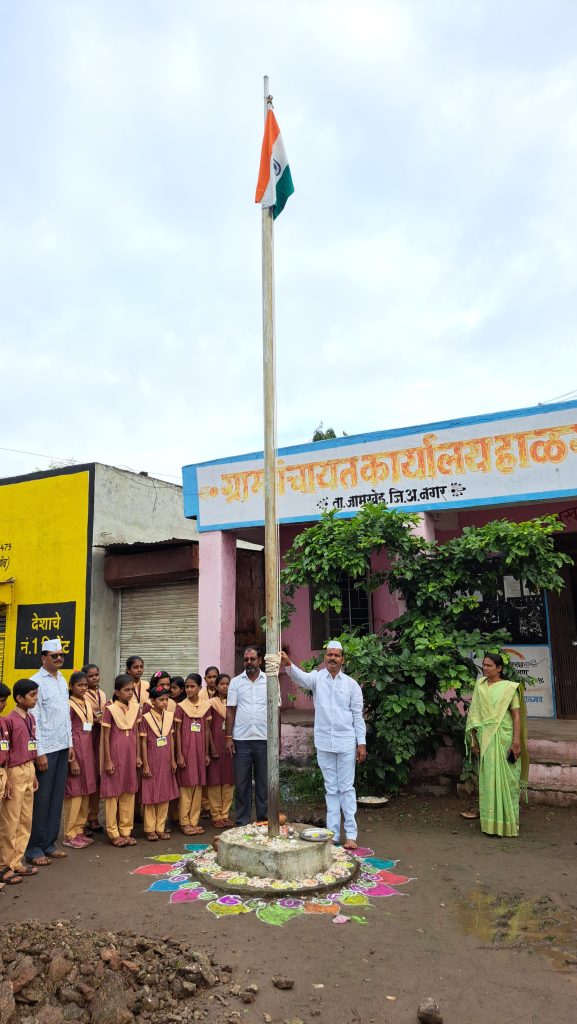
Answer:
(160, 623)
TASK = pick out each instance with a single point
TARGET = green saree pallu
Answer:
(500, 782)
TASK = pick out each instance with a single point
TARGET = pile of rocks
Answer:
(53, 973)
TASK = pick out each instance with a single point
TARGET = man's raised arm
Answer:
(308, 680)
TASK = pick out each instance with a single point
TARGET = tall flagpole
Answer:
(271, 551)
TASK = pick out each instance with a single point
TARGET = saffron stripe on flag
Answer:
(275, 182)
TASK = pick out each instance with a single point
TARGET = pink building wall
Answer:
(216, 600)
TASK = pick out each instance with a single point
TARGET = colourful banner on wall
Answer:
(535, 661)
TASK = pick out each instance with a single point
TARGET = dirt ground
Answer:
(488, 927)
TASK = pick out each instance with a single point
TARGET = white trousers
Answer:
(339, 777)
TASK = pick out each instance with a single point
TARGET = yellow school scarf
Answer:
(167, 719)
(219, 705)
(195, 710)
(93, 699)
(84, 712)
(140, 694)
(124, 715)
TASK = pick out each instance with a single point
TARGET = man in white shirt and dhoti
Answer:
(339, 735)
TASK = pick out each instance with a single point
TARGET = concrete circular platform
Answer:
(248, 861)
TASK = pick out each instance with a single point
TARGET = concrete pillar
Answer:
(426, 528)
(216, 600)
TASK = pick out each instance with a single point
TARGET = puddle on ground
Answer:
(536, 926)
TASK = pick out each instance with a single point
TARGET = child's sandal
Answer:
(151, 836)
(9, 877)
(165, 835)
(118, 841)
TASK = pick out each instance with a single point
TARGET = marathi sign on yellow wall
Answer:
(43, 569)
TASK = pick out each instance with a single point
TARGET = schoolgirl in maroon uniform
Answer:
(97, 699)
(81, 779)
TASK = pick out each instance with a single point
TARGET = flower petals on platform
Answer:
(375, 879)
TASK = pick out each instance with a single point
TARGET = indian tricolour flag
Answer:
(275, 184)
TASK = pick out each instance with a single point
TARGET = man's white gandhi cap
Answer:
(335, 644)
(52, 647)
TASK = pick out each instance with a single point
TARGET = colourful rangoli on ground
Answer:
(376, 880)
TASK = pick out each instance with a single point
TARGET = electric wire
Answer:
(557, 398)
(74, 462)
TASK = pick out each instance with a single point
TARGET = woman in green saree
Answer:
(497, 731)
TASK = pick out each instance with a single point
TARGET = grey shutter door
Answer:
(160, 625)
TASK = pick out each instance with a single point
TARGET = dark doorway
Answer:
(563, 633)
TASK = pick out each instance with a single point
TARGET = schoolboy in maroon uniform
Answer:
(16, 810)
(4, 747)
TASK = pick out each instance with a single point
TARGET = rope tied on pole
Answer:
(272, 664)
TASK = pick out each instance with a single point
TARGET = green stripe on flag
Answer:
(284, 189)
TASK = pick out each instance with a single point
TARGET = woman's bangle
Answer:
(228, 737)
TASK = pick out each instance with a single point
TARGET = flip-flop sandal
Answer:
(151, 837)
(57, 854)
(165, 835)
(12, 879)
(197, 831)
(39, 862)
(27, 871)
(187, 830)
(129, 841)
(470, 815)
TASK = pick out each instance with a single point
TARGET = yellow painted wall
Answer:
(44, 549)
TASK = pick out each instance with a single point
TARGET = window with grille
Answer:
(355, 613)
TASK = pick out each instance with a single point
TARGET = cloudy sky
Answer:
(426, 266)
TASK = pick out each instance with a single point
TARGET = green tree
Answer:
(414, 672)
(321, 434)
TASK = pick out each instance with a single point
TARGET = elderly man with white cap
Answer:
(54, 739)
(340, 735)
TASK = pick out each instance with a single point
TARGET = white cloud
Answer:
(426, 265)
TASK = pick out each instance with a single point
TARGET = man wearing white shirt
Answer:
(246, 737)
(54, 739)
(340, 735)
